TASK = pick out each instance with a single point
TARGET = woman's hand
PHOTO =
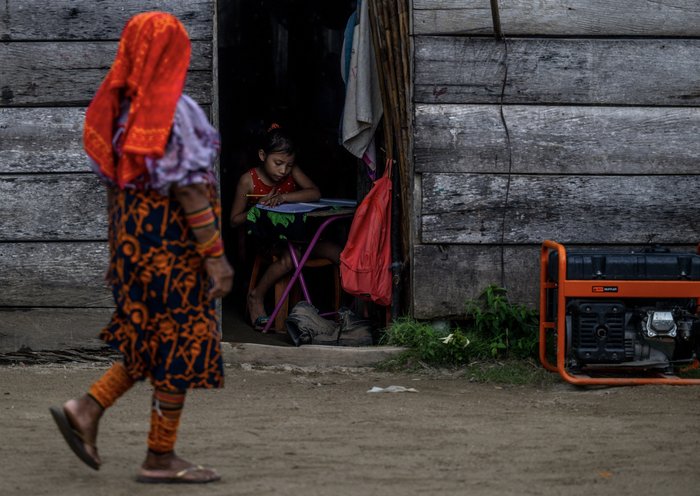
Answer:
(221, 274)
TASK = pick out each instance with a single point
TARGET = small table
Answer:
(327, 217)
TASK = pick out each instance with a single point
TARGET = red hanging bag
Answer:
(365, 262)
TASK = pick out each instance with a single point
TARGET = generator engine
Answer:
(619, 315)
(650, 334)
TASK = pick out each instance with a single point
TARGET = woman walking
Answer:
(154, 149)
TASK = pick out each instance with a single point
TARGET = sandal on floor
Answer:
(74, 439)
(196, 474)
(260, 322)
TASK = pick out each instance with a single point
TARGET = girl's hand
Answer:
(277, 200)
(273, 198)
(265, 200)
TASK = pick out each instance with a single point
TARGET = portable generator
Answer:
(619, 318)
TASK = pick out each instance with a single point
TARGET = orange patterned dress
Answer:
(163, 323)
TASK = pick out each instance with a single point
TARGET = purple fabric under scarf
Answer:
(189, 155)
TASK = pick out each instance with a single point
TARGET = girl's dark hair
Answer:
(278, 140)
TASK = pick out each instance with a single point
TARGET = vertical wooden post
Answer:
(496, 17)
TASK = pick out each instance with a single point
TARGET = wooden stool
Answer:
(294, 295)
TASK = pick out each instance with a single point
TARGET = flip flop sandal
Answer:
(74, 439)
(190, 475)
(260, 322)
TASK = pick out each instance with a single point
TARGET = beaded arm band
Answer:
(200, 219)
(212, 248)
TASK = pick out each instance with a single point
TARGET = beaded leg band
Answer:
(165, 419)
(113, 384)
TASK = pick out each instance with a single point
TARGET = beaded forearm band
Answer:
(213, 247)
(201, 218)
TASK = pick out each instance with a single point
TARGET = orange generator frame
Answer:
(567, 289)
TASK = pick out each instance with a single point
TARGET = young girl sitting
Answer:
(275, 181)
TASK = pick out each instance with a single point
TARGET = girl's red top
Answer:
(287, 185)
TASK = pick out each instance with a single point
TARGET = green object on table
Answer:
(276, 225)
(253, 214)
(285, 220)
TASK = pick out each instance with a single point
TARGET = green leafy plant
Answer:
(501, 328)
(428, 344)
(494, 328)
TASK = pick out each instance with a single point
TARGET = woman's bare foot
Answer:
(170, 468)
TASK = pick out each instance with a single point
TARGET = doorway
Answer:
(279, 62)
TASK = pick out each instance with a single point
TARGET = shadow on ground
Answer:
(235, 329)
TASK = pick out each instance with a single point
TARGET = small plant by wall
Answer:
(501, 329)
(493, 328)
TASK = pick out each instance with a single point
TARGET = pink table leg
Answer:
(293, 254)
(299, 267)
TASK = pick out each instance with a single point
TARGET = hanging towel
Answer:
(363, 101)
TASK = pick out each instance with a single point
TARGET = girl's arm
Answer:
(239, 210)
(307, 191)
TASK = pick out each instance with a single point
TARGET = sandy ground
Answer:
(305, 432)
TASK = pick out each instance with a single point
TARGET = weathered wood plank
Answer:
(43, 140)
(556, 140)
(460, 138)
(52, 207)
(54, 274)
(95, 19)
(657, 18)
(51, 328)
(458, 70)
(446, 276)
(471, 208)
(574, 71)
(455, 17)
(69, 73)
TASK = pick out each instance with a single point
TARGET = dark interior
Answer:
(279, 61)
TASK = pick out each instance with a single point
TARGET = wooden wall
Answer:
(53, 251)
(581, 125)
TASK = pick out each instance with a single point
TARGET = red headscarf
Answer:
(149, 69)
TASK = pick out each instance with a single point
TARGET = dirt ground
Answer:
(287, 431)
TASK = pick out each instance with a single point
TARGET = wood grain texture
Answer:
(52, 207)
(463, 271)
(95, 19)
(655, 18)
(556, 140)
(51, 328)
(42, 139)
(54, 274)
(454, 17)
(558, 71)
(485, 209)
(69, 73)
(446, 276)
